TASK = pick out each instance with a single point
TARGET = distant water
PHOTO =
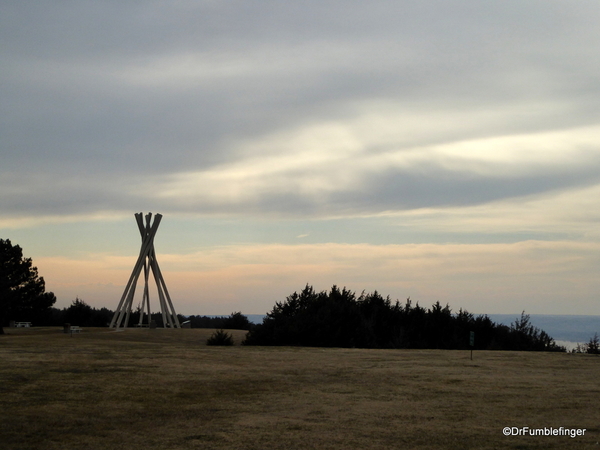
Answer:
(566, 330)
(256, 318)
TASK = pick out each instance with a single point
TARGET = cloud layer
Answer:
(326, 109)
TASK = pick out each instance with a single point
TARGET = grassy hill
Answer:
(165, 389)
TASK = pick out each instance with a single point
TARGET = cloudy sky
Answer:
(443, 150)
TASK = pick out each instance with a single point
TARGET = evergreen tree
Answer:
(22, 291)
(237, 321)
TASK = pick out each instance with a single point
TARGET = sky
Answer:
(441, 150)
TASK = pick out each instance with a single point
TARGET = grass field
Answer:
(165, 389)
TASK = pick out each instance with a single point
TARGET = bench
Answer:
(22, 324)
(75, 329)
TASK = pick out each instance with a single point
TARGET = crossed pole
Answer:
(147, 262)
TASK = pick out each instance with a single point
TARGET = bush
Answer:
(593, 346)
(237, 321)
(220, 337)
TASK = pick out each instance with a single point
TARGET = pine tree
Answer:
(22, 291)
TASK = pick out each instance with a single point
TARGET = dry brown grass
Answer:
(165, 389)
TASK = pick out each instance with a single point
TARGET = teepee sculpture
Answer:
(146, 262)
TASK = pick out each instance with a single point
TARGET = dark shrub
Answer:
(593, 346)
(237, 321)
(220, 337)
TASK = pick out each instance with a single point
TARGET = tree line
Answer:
(81, 314)
(340, 318)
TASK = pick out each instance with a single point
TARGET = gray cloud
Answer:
(428, 185)
(101, 99)
(432, 187)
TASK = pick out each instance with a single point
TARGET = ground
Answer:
(165, 389)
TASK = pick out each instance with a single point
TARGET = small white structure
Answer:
(146, 261)
(23, 324)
